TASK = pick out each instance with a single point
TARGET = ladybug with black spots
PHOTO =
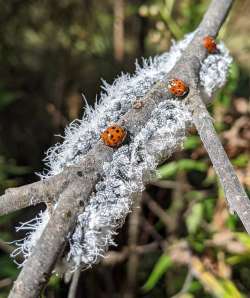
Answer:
(210, 44)
(114, 135)
(177, 87)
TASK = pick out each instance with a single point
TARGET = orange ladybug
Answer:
(210, 44)
(177, 87)
(113, 136)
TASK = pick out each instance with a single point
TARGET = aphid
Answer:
(113, 136)
(210, 44)
(177, 87)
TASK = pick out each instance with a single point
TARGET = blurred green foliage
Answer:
(172, 168)
(162, 265)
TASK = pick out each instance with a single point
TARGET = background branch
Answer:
(133, 260)
(74, 283)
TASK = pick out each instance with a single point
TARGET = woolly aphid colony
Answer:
(132, 163)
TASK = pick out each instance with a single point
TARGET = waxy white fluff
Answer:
(124, 178)
(34, 229)
(114, 102)
(214, 69)
(132, 165)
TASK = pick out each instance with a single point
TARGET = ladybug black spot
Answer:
(111, 136)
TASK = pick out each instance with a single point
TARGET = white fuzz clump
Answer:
(114, 102)
(132, 165)
(214, 69)
(33, 229)
(124, 177)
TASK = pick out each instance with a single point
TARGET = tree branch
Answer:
(186, 68)
(31, 194)
(74, 284)
(75, 193)
(39, 265)
(44, 191)
(234, 192)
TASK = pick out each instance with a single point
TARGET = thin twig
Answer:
(178, 202)
(168, 184)
(46, 190)
(118, 30)
(6, 282)
(23, 196)
(115, 257)
(236, 196)
(133, 259)
(74, 283)
(157, 209)
(150, 230)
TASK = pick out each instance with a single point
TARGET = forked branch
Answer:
(74, 185)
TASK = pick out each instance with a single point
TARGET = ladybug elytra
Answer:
(177, 87)
(210, 44)
(113, 136)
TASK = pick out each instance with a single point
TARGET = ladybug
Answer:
(177, 87)
(210, 44)
(113, 136)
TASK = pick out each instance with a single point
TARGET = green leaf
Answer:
(195, 286)
(6, 98)
(192, 142)
(244, 238)
(208, 205)
(170, 169)
(232, 222)
(167, 170)
(235, 260)
(241, 160)
(189, 164)
(231, 290)
(185, 295)
(194, 218)
(54, 282)
(194, 195)
(162, 265)
(8, 268)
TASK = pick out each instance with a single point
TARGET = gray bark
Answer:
(75, 184)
